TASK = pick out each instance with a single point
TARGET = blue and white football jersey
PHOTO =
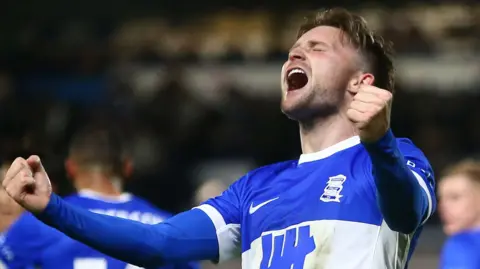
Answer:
(320, 211)
(31, 244)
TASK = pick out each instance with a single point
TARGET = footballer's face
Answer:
(317, 73)
(459, 203)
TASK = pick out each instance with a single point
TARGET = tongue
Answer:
(297, 81)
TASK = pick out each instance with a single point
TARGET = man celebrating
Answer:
(356, 198)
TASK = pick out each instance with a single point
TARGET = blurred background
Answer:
(195, 86)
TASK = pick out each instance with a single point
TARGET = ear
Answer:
(357, 81)
(71, 168)
(127, 168)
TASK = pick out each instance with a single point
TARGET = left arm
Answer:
(402, 183)
(190, 265)
(404, 193)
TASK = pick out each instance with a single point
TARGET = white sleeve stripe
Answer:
(214, 215)
(423, 184)
(228, 235)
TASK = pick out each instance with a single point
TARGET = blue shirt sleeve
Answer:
(420, 167)
(188, 236)
(167, 215)
(226, 213)
(23, 244)
(404, 182)
(458, 253)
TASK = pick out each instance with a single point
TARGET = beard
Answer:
(315, 105)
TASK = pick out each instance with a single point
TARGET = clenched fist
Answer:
(370, 112)
(28, 184)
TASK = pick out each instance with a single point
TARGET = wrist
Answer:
(50, 206)
(386, 139)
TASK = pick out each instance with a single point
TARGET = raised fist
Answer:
(370, 112)
(27, 182)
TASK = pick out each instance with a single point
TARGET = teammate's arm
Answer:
(457, 254)
(185, 237)
(404, 198)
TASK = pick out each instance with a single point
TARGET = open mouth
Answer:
(296, 79)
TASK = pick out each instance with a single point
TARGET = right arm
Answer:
(208, 232)
(188, 236)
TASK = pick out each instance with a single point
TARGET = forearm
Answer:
(402, 200)
(187, 236)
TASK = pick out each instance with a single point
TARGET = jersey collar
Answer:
(87, 193)
(343, 145)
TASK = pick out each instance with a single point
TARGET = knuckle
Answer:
(25, 180)
(19, 161)
(24, 174)
(379, 101)
(9, 190)
(386, 95)
(373, 109)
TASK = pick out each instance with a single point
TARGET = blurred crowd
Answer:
(93, 41)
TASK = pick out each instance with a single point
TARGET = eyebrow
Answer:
(311, 43)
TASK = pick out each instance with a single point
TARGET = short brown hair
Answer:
(377, 52)
(468, 167)
(96, 146)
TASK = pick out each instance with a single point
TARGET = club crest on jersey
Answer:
(331, 193)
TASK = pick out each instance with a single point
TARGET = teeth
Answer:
(295, 70)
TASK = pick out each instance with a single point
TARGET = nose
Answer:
(296, 55)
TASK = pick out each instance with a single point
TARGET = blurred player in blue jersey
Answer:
(10, 211)
(356, 198)
(459, 194)
(97, 164)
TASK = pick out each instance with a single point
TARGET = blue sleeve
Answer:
(166, 215)
(23, 244)
(188, 236)
(190, 265)
(226, 212)
(404, 182)
(458, 254)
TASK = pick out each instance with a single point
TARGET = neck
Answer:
(99, 183)
(7, 219)
(321, 133)
(9, 211)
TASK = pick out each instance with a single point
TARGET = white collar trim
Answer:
(343, 145)
(87, 193)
